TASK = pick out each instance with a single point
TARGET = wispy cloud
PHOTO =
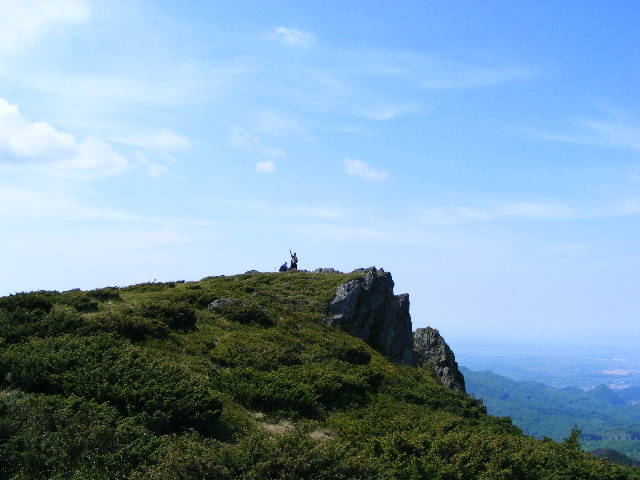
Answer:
(21, 202)
(40, 147)
(359, 168)
(253, 144)
(263, 208)
(24, 22)
(455, 215)
(389, 112)
(528, 210)
(153, 169)
(601, 133)
(266, 167)
(162, 140)
(432, 71)
(292, 37)
(307, 211)
(26, 202)
(278, 125)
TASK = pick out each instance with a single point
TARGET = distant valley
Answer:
(608, 417)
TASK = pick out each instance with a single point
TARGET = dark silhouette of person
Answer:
(283, 267)
(294, 260)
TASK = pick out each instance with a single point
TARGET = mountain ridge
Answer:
(153, 381)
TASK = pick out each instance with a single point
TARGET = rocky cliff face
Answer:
(368, 309)
(433, 352)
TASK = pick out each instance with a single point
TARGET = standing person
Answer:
(294, 260)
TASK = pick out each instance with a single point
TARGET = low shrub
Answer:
(272, 391)
(133, 327)
(107, 294)
(39, 301)
(178, 316)
(49, 436)
(244, 349)
(20, 324)
(107, 369)
(79, 300)
(195, 297)
(246, 312)
(149, 287)
(352, 352)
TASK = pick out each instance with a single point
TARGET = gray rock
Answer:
(326, 270)
(251, 272)
(368, 309)
(433, 352)
(219, 303)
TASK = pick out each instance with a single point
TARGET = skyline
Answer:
(486, 155)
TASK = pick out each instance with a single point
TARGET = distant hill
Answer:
(253, 377)
(608, 419)
(615, 457)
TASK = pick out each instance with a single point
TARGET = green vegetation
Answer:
(145, 382)
(606, 419)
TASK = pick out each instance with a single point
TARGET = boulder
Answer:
(219, 303)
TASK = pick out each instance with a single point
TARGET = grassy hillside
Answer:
(144, 382)
(606, 419)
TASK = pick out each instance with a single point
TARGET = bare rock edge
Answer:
(367, 308)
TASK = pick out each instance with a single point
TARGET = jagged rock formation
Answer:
(368, 309)
(432, 351)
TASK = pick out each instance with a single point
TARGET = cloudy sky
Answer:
(486, 153)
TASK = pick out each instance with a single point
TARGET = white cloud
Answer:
(22, 22)
(266, 167)
(253, 144)
(600, 133)
(388, 112)
(276, 125)
(362, 169)
(39, 146)
(153, 169)
(456, 215)
(292, 37)
(159, 140)
(306, 211)
(21, 203)
(431, 71)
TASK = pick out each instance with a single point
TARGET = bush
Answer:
(191, 296)
(41, 438)
(246, 312)
(149, 287)
(270, 391)
(247, 349)
(110, 370)
(19, 325)
(133, 327)
(178, 316)
(107, 294)
(352, 352)
(34, 301)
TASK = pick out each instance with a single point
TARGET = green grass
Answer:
(145, 382)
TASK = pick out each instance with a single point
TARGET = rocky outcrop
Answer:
(219, 303)
(433, 352)
(368, 309)
(326, 270)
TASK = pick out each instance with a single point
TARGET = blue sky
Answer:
(486, 153)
